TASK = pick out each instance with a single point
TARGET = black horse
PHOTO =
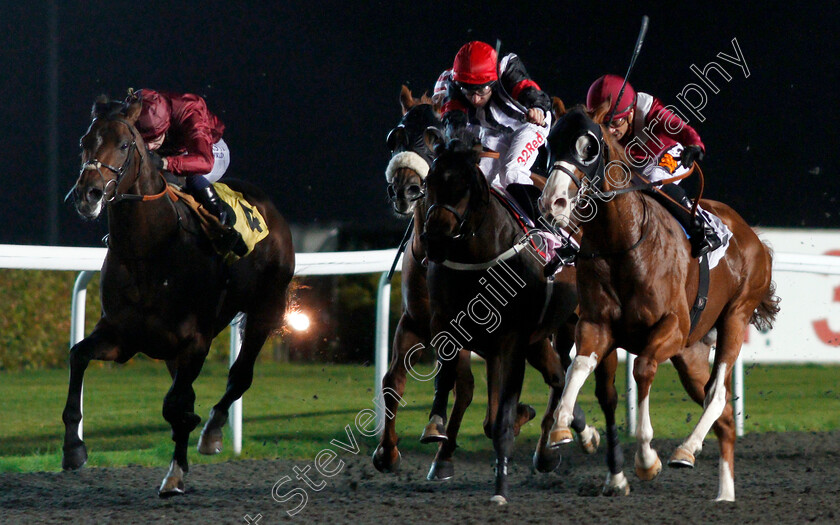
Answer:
(488, 293)
(165, 291)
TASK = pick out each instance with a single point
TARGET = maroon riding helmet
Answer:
(607, 88)
(154, 116)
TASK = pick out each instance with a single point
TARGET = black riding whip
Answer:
(401, 248)
(636, 51)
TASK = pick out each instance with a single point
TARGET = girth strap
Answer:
(702, 292)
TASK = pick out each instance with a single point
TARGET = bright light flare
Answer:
(298, 321)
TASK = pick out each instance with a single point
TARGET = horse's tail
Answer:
(765, 314)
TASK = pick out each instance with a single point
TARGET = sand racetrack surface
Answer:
(780, 478)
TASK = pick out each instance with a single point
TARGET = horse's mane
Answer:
(104, 107)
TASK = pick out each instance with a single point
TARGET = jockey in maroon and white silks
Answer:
(185, 138)
(507, 108)
(661, 146)
(653, 136)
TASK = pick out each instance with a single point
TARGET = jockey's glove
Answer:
(157, 161)
(691, 154)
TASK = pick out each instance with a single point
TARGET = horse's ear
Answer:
(100, 105)
(132, 112)
(434, 139)
(425, 98)
(396, 138)
(599, 114)
(558, 108)
(406, 99)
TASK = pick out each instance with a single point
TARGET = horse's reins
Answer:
(96, 164)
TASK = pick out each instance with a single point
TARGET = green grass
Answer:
(294, 410)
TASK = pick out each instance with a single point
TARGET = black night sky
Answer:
(308, 91)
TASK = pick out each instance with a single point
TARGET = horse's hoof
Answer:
(385, 464)
(589, 440)
(681, 458)
(210, 442)
(435, 431)
(647, 474)
(559, 436)
(499, 500)
(616, 485)
(74, 458)
(524, 413)
(173, 483)
(547, 460)
(441, 471)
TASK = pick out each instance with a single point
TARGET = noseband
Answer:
(460, 219)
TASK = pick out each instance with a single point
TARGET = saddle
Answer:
(249, 222)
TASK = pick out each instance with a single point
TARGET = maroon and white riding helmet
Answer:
(475, 63)
(607, 88)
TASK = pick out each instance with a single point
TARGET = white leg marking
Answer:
(616, 483)
(726, 491)
(644, 433)
(713, 407)
(581, 367)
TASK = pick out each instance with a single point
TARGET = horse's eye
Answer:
(586, 148)
(124, 146)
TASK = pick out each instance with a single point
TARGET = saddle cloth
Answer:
(722, 231)
(249, 222)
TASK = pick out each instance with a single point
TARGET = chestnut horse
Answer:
(637, 282)
(165, 291)
(488, 293)
(410, 160)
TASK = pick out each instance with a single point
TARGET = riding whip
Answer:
(639, 41)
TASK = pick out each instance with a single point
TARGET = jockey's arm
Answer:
(198, 159)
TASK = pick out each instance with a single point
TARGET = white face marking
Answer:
(556, 198)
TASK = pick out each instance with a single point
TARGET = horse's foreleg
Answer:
(435, 430)
(179, 412)
(511, 374)
(240, 376)
(386, 457)
(442, 467)
(100, 344)
(543, 357)
(593, 343)
(616, 483)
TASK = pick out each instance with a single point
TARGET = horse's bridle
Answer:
(96, 164)
(461, 219)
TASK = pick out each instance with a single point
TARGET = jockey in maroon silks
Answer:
(499, 100)
(660, 145)
(185, 138)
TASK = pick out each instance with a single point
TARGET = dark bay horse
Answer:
(637, 282)
(488, 294)
(410, 161)
(165, 292)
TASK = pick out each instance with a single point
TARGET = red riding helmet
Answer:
(154, 116)
(475, 63)
(607, 88)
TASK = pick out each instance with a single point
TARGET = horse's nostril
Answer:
(94, 194)
(560, 203)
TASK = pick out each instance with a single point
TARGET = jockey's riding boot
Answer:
(526, 196)
(701, 235)
(231, 240)
(212, 203)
